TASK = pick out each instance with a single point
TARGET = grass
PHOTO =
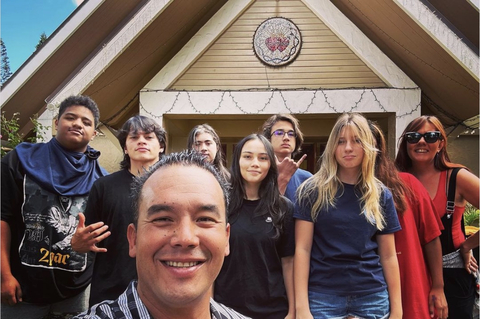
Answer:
(471, 220)
(471, 216)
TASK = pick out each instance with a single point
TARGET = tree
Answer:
(43, 39)
(5, 68)
(11, 136)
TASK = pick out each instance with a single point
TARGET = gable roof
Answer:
(135, 50)
(342, 56)
(229, 62)
(434, 42)
(83, 36)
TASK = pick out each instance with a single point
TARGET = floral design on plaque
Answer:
(277, 41)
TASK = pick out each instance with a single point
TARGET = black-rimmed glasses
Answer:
(281, 133)
(429, 137)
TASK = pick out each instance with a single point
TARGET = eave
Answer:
(450, 89)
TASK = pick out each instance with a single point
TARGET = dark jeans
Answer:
(460, 293)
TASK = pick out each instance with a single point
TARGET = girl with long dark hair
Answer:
(206, 141)
(257, 277)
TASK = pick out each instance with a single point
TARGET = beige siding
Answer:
(324, 60)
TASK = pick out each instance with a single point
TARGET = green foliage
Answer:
(41, 41)
(10, 134)
(471, 216)
(5, 68)
(38, 130)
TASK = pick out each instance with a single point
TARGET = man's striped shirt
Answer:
(130, 306)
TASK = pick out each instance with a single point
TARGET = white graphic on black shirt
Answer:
(50, 222)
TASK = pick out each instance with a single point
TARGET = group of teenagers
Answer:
(363, 237)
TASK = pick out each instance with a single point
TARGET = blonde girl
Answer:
(345, 263)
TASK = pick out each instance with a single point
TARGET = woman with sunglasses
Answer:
(418, 244)
(423, 153)
(257, 277)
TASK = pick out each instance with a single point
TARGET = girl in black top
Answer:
(257, 277)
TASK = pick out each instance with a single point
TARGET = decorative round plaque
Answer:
(277, 41)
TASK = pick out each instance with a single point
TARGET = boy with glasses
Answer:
(283, 131)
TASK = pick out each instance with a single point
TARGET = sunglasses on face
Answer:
(281, 133)
(429, 137)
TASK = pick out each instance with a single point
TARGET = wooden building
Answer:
(234, 63)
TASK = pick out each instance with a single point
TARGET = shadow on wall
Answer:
(111, 154)
(465, 150)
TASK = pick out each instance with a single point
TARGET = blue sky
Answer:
(23, 21)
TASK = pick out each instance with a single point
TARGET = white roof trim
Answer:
(360, 44)
(198, 44)
(54, 43)
(439, 31)
(403, 103)
(475, 4)
(111, 50)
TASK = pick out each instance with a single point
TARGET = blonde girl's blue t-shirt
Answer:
(344, 258)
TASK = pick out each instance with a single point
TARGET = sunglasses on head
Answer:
(281, 133)
(429, 137)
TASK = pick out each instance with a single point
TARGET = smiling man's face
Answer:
(181, 237)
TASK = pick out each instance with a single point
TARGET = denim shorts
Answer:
(369, 306)
(63, 309)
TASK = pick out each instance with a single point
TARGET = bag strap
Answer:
(452, 184)
(451, 197)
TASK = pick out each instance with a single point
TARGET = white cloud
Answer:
(77, 2)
